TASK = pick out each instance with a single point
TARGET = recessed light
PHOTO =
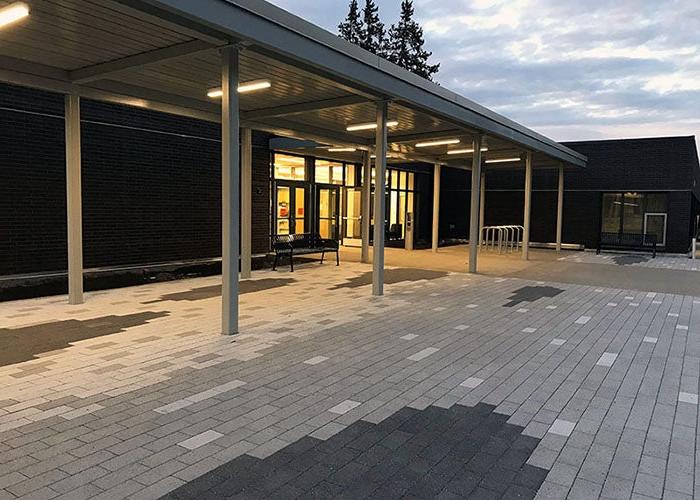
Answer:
(464, 151)
(441, 142)
(242, 88)
(369, 126)
(502, 160)
(13, 13)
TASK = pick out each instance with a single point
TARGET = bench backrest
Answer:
(302, 240)
(628, 239)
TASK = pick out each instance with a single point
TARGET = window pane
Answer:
(394, 179)
(299, 201)
(402, 180)
(329, 172)
(410, 181)
(612, 211)
(633, 216)
(350, 175)
(323, 174)
(289, 167)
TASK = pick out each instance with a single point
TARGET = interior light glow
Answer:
(441, 142)
(242, 88)
(13, 13)
(341, 150)
(464, 151)
(369, 126)
(502, 160)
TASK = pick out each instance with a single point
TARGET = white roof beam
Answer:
(305, 107)
(105, 70)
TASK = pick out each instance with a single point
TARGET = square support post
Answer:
(560, 207)
(230, 190)
(482, 204)
(246, 202)
(379, 200)
(366, 194)
(74, 202)
(528, 205)
(475, 204)
(436, 206)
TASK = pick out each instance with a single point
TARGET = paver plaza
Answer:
(450, 385)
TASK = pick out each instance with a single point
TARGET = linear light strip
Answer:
(242, 88)
(464, 151)
(441, 142)
(503, 160)
(13, 13)
(369, 126)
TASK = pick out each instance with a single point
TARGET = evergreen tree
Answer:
(351, 29)
(373, 32)
(405, 46)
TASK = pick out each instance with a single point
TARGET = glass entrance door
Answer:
(290, 214)
(328, 208)
(656, 224)
(352, 220)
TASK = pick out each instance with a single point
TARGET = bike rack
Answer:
(505, 239)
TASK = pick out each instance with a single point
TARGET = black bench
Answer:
(628, 241)
(289, 245)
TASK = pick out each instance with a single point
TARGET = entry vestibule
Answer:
(311, 194)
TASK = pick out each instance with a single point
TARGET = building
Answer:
(629, 185)
(152, 190)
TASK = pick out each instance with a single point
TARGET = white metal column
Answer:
(560, 207)
(246, 202)
(366, 194)
(230, 190)
(379, 200)
(482, 203)
(528, 205)
(475, 204)
(74, 202)
(436, 206)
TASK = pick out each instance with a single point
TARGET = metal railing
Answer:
(504, 239)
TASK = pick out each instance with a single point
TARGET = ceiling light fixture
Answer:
(369, 126)
(13, 13)
(342, 150)
(441, 142)
(242, 88)
(464, 151)
(502, 160)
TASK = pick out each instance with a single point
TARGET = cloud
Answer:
(569, 69)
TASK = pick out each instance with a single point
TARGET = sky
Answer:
(570, 69)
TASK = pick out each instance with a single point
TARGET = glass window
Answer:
(633, 213)
(328, 172)
(350, 175)
(612, 211)
(394, 179)
(402, 180)
(289, 167)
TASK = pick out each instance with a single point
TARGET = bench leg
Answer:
(323, 254)
(291, 261)
(337, 258)
(274, 264)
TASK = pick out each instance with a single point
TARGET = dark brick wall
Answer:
(659, 165)
(151, 185)
(32, 180)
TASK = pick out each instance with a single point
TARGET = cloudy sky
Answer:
(570, 69)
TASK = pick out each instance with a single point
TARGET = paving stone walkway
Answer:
(641, 259)
(568, 390)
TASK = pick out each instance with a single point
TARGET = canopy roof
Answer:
(162, 54)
